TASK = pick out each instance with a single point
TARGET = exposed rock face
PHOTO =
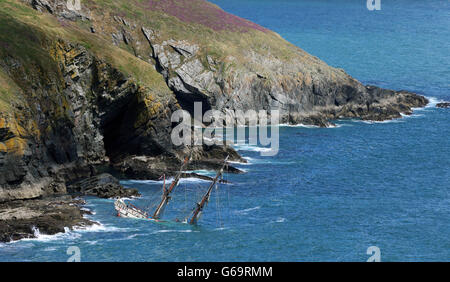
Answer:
(443, 105)
(312, 97)
(103, 114)
(26, 219)
(61, 8)
(104, 186)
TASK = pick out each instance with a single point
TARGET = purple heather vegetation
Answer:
(202, 12)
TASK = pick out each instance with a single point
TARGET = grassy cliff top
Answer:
(196, 21)
(27, 35)
(201, 12)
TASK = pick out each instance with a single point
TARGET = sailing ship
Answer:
(128, 210)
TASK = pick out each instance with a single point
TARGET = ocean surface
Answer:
(329, 194)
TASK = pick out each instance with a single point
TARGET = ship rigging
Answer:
(128, 210)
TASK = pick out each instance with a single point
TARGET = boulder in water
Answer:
(443, 105)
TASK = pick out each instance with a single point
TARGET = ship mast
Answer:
(166, 194)
(197, 212)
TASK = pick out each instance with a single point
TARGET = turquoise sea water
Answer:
(330, 193)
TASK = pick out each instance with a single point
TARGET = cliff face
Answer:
(95, 88)
(228, 63)
(76, 112)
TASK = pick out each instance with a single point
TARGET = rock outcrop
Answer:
(30, 218)
(313, 97)
(103, 186)
(443, 105)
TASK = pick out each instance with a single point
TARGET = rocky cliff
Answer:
(92, 89)
(228, 63)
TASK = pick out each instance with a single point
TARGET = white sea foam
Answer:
(170, 231)
(50, 249)
(433, 102)
(14, 246)
(252, 161)
(40, 237)
(345, 124)
(252, 148)
(398, 120)
(123, 239)
(221, 228)
(377, 122)
(338, 125)
(98, 227)
(201, 171)
(298, 125)
(193, 180)
(239, 163)
(132, 236)
(127, 198)
(246, 211)
(249, 160)
(147, 181)
(92, 243)
(69, 234)
(168, 181)
(412, 116)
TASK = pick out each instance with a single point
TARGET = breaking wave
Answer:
(299, 125)
(252, 148)
(99, 227)
(40, 237)
(433, 102)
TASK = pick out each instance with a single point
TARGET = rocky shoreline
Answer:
(56, 214)
(89, 97)
(51, 215)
